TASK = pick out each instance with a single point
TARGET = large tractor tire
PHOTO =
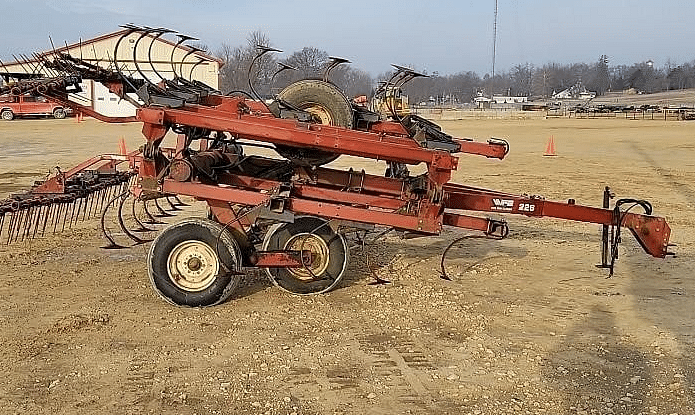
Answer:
(328, 104)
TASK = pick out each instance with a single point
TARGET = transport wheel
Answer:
(7, 115)
(329, 252)
(194, 263)
(328, 104)
(58, 113)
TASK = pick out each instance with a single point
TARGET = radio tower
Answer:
(494, 46)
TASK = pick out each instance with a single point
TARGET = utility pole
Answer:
(494, 51)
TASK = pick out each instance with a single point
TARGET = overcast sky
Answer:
(443, 36)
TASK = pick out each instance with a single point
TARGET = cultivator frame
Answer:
(296, 211)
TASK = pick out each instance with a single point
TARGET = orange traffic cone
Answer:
(550, 148)
(121, 147)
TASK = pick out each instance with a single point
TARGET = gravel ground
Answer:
(527, 324)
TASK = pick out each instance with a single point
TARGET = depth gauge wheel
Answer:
(194, 263)
(329, 255)
(327, 103)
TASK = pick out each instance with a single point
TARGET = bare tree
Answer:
(601, 80)
(309, 62)
(234, 74)
(520, 79)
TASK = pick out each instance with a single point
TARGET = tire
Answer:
(7, 115)
(308, 233)
(59, 113)
(325, 101)
(194, 263)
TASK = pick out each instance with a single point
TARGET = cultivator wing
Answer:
(285, 215)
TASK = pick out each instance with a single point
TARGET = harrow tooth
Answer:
(47, 216)
(17, 225)
(26, 222)
(90, 206)
(72, 213)
(56, 216)
(100, 203)
(10, 227)
(83, 209)
(65, 215)
(37, 220)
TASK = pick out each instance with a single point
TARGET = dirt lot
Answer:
(527, 326)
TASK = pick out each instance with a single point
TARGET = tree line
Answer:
(267, 76)
(535, 82)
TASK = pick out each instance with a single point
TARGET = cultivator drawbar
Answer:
(287, 215)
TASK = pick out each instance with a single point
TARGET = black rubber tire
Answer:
(218, 239)
(278, 236)
(59, 113)
(7, 115)
(315, 93)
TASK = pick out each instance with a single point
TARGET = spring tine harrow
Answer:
(105, 232)
(152, 220)
(141, 226)
(144, 33)
(32, 212)
(121, 221)
(162, 213)
(159, 32)
(173, 206)
(179, 202)
(182, 38)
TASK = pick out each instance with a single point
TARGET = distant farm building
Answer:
(576, 91)
(501, 99)
(187, 62)
(481, 101)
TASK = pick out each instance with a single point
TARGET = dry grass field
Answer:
(527, 326)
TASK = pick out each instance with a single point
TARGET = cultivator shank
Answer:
(286, 215)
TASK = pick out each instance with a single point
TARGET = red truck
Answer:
(22, 105)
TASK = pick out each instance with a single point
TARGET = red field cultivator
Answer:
(287, 215)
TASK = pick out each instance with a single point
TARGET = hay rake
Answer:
(287, 216)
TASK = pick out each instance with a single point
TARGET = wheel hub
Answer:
(320, 112)
(319, 255)
(193, 265)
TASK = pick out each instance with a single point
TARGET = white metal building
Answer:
(187, 63)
